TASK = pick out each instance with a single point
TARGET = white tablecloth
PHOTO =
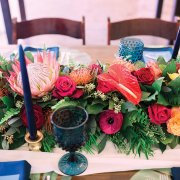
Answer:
(108, 161)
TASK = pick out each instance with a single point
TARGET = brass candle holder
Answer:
(34, 145)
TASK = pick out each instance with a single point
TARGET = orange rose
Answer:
(154, 66)
(173, 125)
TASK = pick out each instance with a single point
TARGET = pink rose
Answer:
(110, 122)
(159, 114)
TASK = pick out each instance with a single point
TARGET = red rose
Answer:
(38, 115)
(64, 86)
(145, 75)
(159, 114)
(95, 67)
(104, 87)
(110, 122)
(77, 93)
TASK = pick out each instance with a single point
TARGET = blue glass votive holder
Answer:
(131, 49)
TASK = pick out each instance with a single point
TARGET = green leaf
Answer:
(64, 103)
(8, 101)
(10, 131)
(128, 106)
(158, 83)
(35, 176)
(102, 143)
(92, 125)
(175, 83)
(162, 100)
(170, 68)
(29, 56)
(95, 108)
(5, 144)
(152, 97)
(111, 104)
(161, 60)
(145, 95)
(174, 142)
(10, 113)
(162, 147)
(139, 64)
(168, 140)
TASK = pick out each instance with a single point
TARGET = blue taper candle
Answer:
(27, 96)
(176, 45)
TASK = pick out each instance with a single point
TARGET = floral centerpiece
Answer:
(135, 106)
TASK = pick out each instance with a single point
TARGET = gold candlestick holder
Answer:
(34, 145)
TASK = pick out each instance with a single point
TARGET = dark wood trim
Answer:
(159, 9)
(7, 19)
(143, 26)
(22, 10)
(109, 31)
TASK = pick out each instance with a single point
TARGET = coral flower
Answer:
(173, 125)
(81, 76)
(43, 73)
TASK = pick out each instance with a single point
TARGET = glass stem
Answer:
(72, 157)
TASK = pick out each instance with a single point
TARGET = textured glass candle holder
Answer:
(69, 125)
(131, 49)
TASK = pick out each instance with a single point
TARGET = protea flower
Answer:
(43, 73)
(82, 76)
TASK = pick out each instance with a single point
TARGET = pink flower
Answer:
(110, 122)
(159, 114)
(154, 66)
(43, 73)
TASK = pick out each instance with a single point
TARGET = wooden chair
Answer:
(25, 29)
(145, 26)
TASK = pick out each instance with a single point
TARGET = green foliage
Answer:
(48, 142)
(4, 64)
(10, 113)
(8, 101)
(140, 133)
(170, 68)
(63, 103)
(157, 84)
(120, 142)
(102, 142)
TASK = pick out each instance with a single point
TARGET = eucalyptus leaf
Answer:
(5, 144)
(168, 140)
(13, 120)
(161, 60)
(162, 147)
(10, 131)
(145, 95)
(111, 104)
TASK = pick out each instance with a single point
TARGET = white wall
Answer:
(95, 12)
